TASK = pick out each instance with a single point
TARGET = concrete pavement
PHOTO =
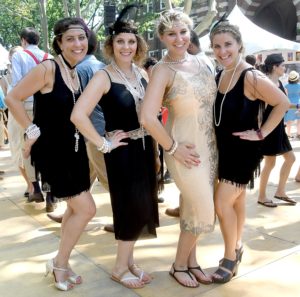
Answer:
(270, 266)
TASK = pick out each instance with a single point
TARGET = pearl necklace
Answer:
(173, 61)
(217, 123)
(137, 93)
(72, 89)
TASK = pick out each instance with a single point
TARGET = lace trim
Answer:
(133, 134)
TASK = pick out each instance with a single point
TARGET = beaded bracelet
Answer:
(105, 147)
(259, 134)
(173, 148)
(33, 131)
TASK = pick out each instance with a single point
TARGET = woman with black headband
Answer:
(119, 90)
(56, 147)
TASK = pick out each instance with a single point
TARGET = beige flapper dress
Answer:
(190, 103)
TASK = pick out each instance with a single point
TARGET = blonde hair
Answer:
(225, 27)
(168, 17)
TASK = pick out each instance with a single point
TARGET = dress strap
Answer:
(107, 74)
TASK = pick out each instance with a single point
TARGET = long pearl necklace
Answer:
(137, 93)
(217, 123)
(72, 89)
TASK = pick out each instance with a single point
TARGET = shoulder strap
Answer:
(107, 74)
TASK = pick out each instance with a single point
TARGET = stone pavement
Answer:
(270, 266)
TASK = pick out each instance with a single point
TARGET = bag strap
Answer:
(34, 57)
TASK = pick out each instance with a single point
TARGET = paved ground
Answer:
(270, 264)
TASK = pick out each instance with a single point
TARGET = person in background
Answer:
(131, 168)
(195, 49)
(54, 143)
(186, 86)
(22, 62)
(238, 108)
(293, 92)
(251, 59)
(277, 142)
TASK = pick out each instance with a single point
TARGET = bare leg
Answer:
(298, 127)
(124, 257)
(239, 207)
(289, 159)
(186, 243)
(297, 177)
(79, 212)
(30, 188)
(288, 128)
(264, 177)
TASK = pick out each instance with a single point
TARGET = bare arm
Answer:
(39, 78)
(261, 87)
(161, 77)
(96, 88)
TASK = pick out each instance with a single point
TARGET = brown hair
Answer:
(141, 52)
(226, 27)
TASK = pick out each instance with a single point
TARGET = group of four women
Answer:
(213, 131)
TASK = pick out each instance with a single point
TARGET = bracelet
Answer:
(33, 131)
(106, 146)
(259, 134)
(173, 148)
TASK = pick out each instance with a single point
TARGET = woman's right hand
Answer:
(116, 139)
(186, 155)
(28, 143)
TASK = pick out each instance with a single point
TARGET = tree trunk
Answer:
(66, 10)
(44, 24)
(207, 20)
(187, 6)
(168, 4)
(78, 14)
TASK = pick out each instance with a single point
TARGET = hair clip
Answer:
(216, 23)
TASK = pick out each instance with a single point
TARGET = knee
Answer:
(290, 158)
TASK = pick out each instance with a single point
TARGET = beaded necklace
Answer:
(217, 123)
(174, 61)
(137, 93)
(72, 89)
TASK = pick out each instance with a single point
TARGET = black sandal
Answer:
(197, 278)
(185, 271)
(226, 271)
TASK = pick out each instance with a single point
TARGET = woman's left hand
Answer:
(248, 135)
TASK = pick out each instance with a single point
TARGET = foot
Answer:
(226, 271)
(267, 203)
(285, 198)
(73, 277)
(36, 197)
(127, 279)
(200, 276)
(55, 218)
(184, 277)
(140, 273)
(173, 212)
(109, 228)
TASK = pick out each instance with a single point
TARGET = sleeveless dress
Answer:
(190, 101)
(53, 154)
(293, 90)
(239, 159)
(130, 169)
(277, 142)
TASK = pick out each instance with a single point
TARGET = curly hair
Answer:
(141, 52)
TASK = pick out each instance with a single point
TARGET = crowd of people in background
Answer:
(71, 119)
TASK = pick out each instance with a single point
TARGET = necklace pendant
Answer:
(76, 135)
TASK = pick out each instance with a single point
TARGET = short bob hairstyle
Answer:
(142, 47)
(63, 25)
(169, 17)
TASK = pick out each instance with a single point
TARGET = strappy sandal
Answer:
(126, 276)
(226, 271)
(172, 273)
(200, 280)
(73, 277)
(140, 273)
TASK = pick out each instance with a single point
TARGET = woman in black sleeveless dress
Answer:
(130, 168)
(57, 148)
(277, 142)
(242, 93)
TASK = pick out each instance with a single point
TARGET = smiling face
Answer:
(226, 49)
(176, 39)
(124, 47)
(74, 45)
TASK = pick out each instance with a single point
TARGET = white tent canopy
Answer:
(3, 57)
(255, 39)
